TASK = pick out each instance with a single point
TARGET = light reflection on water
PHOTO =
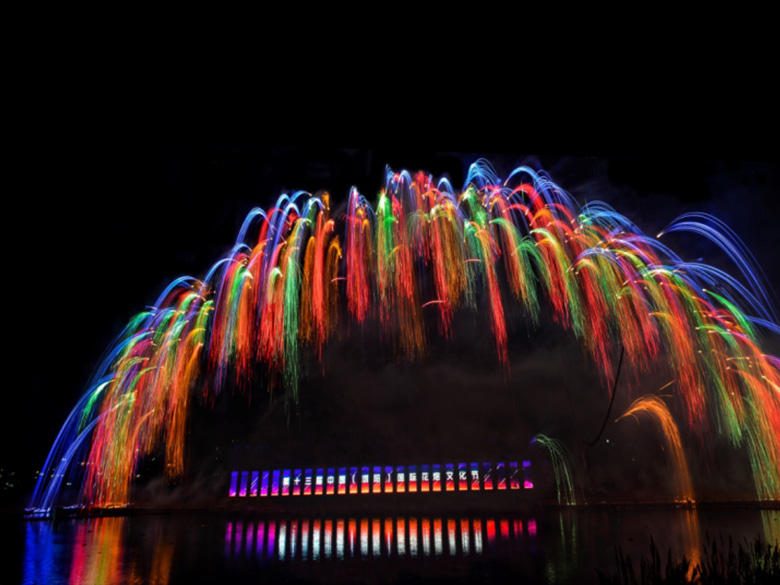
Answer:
(553, 546)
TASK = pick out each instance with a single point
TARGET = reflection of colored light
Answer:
(293, 538)
(450, 477)
(436, 478)
(425, 478)
(491, 531)
(318, 482)
(389, 536)
(475, 476)
(438, 544)
(228, 537)
(501, 473)
(376, 537)
(331, 481)
(282, 544)
(271, 543)
(296, 482)
(364, 480)
(264, 484)
(328, 537)
(413, 536)
(412, 478)
(307, 480)
(275, 483)
(464, 536)
(233, 484)
(315, 540)
(340, 539)
(286, 482)
(304, 539)
(364, 537)
(388, 480)
(518, 528)
(260, 541)
(532, 528)
(426, 537)
(487, 475)
(463, 477)
(504, 525)
(400, 479)
(514, 476)
(451, 536)
(239, 536)
(400, 535)
(253, 484)
(353, 480)
(352, 536)
(477, 525)
(250, 534)
(342, 487)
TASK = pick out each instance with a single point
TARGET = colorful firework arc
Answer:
(291, 281)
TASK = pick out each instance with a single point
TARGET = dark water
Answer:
(547, 546)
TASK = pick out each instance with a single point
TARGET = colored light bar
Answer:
(450, 477)
(253, 484)
(275, 483)
(487, 475)
(244, 480)
(412, 478)
(233, 484)
(377, 480)
(400, 479)
(425, 479)
(365, 480)
(436, 478)
(318, 482)
(353, 480)
(331, 482)
(501, 475)
(264, 483)
(514, 476)
(389, 480)
(342, 484)
(307, 482)
(463, 477)
(296, 482)
(527, 481)
(475, 476)
(286, 482)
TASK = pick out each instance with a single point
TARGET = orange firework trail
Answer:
(657, 409)
(297, 274)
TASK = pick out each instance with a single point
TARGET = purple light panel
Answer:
(233, 484)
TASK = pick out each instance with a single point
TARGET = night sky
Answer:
(107, 217)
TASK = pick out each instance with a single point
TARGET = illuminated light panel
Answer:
(450, 477)
(318, 478)
(297, 480)
(275, 483)
(400, 479)
(487, 475)
(527, 481)
(388, 479)
(244, 480)
(412, 478)
(342, 485)
(264, 484)
(233, 484)
(463, 478)
(475, 477)
(365, 480)
(501, 476)
(253, 484)
(307, 481)
(377, 480)
(425, 478)
(436, 478)
(514, 476)
(354, 484)
(286, 482)
(331, 482)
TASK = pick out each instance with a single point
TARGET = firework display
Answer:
(298, 274)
